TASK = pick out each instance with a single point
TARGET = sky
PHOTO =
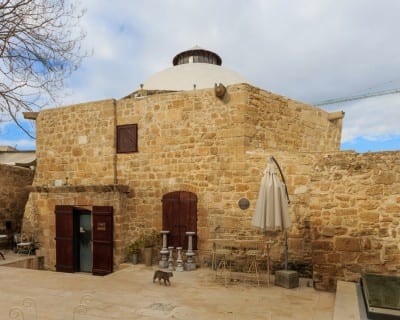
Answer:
(306, 50)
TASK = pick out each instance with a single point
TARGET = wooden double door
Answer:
(180, 216)
(84, 239)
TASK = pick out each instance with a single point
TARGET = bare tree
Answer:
(39, 48)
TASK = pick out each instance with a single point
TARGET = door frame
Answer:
(67, 239)
(183, 203)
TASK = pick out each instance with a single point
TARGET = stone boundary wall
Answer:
(30, 262)
(13, 195)
(297, 169)
(355, 216)
(345, 210)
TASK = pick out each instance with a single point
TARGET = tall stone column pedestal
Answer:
(164, 251)
(190, 265)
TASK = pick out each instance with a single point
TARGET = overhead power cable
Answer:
(357, 97)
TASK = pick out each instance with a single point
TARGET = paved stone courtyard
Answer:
(130, 294)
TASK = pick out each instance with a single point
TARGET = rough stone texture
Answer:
(359, 194)
(76, 145)
(275, 122)
(344, 206)
(13, 195)
(189, 141)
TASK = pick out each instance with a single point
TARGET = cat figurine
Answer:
(162, 275)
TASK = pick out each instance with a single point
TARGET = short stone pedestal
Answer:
(164, 250)
(190, 265)
(179, 262)
(148, 256)
(287, 278)
(170, 260)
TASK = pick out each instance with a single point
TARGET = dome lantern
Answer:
(197, 55)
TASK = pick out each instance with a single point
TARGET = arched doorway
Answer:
(180, 216)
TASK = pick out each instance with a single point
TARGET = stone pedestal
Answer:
(190, 265)
(170, 260)
(135, 258)
(148, 256)
(179, 262)
(164, 250)
(287, 279)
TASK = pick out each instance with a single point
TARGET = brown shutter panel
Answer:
(65, 258)
(103, 236)
(127, 139)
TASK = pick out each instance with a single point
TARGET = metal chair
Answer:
(24, 244)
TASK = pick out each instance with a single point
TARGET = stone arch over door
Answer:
(180, 216)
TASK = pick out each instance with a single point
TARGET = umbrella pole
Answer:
(282, 176)
(271, 158)
(286, 250)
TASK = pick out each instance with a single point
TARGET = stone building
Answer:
(16, 173)
(183, 141)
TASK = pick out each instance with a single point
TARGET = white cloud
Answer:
(309, 50)
(373, 118)
(20, 144)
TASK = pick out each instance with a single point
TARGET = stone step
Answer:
(346, 302)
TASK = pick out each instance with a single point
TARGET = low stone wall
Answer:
(13, 195)
(31, 262)
(345, 210)
(355, 216)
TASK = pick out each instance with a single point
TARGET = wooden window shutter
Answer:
(127, 138)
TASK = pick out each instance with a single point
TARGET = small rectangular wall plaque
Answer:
(101, 226)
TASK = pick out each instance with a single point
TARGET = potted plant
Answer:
(149, 240)
(134, 250)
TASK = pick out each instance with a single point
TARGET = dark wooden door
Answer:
(180, 216)
(65, 240)
(102, 240)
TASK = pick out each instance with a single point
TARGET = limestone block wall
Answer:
(297, 170)
(13, 194)
(355, 216)
(196, 142)
(188, 141)
(344, 206)
(277, 123)
(345, 210)
(76, 144)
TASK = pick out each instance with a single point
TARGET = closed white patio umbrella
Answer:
(272, 212)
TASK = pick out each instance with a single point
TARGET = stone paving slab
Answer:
(130, 294)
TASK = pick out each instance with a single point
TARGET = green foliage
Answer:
(135, 246)
(150, 238)
(146, 240)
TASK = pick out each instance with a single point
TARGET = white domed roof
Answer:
(185, 76)
(195, 68)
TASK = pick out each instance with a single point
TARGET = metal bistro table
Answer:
(236, 258)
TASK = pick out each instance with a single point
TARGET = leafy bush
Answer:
(146, 240)
(135, 246)
(150, 238)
